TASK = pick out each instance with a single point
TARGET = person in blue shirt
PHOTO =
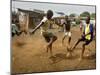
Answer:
(86, 37)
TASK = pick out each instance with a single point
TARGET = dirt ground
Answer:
(29, 54)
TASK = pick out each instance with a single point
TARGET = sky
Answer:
(65, 8)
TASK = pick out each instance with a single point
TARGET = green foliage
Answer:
(84, 14)
(93, 15)
(77, 21)
(72, 15)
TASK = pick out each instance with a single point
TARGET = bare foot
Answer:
(80, 58)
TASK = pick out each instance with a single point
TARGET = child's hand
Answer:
(83, 35)
(32, 32)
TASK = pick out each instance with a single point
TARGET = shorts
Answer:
(85, 40)
(48, 36)
(68, 34)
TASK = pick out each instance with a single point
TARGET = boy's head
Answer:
(49, 14)
(87, 19)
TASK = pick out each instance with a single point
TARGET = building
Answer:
(28, 19)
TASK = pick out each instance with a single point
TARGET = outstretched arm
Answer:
(38, 26)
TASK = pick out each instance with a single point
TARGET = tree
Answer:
(72, 15)
(93, 15)
(84, 14)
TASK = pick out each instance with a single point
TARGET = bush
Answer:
(77, 21)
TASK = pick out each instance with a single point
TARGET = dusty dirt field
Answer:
(29, 54)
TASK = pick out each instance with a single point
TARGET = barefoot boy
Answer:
(67, 31)
(48, 35)
(87, 36)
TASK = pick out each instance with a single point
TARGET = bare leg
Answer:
(69, 40)
(49, 46)
(68, 47)
(51, 49)
(83, 49)
(76, 43)
(63, 39)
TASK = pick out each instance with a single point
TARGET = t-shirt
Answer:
(45, 26)
(89, 29)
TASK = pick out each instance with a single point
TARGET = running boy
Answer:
(67, 31)
(86, 37)
(48, 35)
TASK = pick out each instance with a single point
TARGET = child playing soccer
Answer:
(87, 36)
(48, 35)
(67, 31)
